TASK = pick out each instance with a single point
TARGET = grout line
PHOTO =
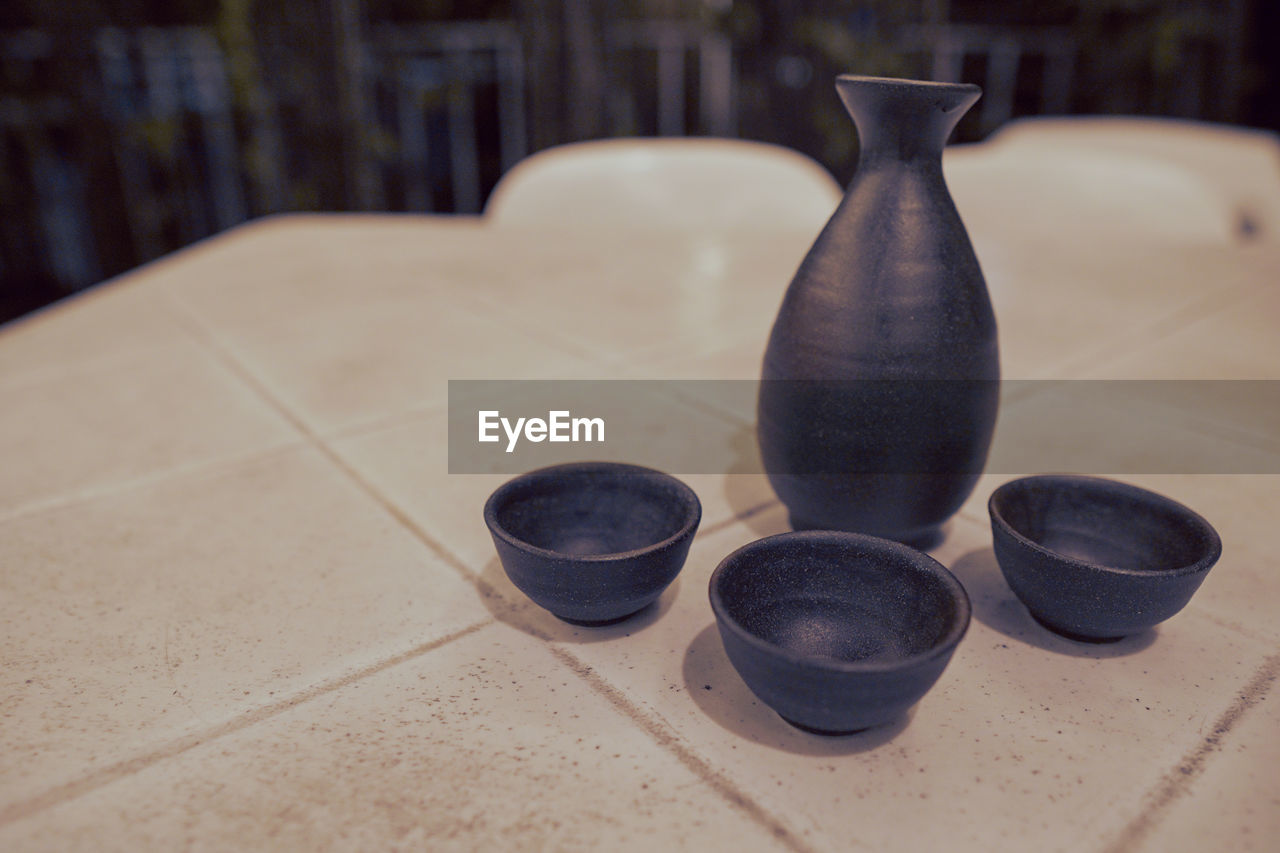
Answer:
(749, 512)
(219, 350)
(24, 378)
(1232, 625)
(682, 753)
(564, 344)
(127, 767)
(660, 735)
(1178, 781)
(712, 409)
(1158, 329)
(406, 417)
(594, 682)
(229, 360)
(191, 469)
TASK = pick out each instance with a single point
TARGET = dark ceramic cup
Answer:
(1095, 559)
(593, 542)
(837, 632)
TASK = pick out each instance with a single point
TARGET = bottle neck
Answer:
(904, 121)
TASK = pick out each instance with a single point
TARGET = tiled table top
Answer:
(244, 605)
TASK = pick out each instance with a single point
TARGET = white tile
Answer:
(737, 357)
(222, 644)
(1241, 589)
(643, 295)
(277, 270)
(1226, 793)
(101, 323)
(1144, 426)
(168, 609)
(346, 367)
(269, 269)
(1233, 336)
(1062, 307)
(336, 368)
(350, 319)
(486, 743)
(133, 415)
(408, 464)
(1027, 740)
(1116, 444)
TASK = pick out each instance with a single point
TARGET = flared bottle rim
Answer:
(908, 83)
(903, 116)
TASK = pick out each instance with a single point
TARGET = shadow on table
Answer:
(747, 490)
(511, 606)
(995, 606)
(720, 693)
(754, 506)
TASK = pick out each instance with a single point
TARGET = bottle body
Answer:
(881, 376)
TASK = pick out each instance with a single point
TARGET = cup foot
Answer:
(824, 732)
(920, 538)
(595, 623)
(1071, 635)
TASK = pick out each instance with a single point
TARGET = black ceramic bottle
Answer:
(880, 381)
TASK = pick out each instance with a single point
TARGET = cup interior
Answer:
(1103, 523)
(830, 601)
(594, 510)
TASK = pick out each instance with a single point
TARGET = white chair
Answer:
(678, 182)
(1088, 196)
(1242, 164)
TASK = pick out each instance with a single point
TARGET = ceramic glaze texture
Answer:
(593, 542)
(881, 373)
(836, 631)
(1095, 559)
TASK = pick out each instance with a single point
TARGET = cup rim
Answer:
(691, 506)
(919, 560)
(1104, 485)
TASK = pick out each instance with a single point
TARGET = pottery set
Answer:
(876, 410)
(837, 631)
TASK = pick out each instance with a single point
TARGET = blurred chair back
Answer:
(1242, 165)
(685, 182)
(1089, 196)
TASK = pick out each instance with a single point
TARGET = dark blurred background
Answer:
(130, 128)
